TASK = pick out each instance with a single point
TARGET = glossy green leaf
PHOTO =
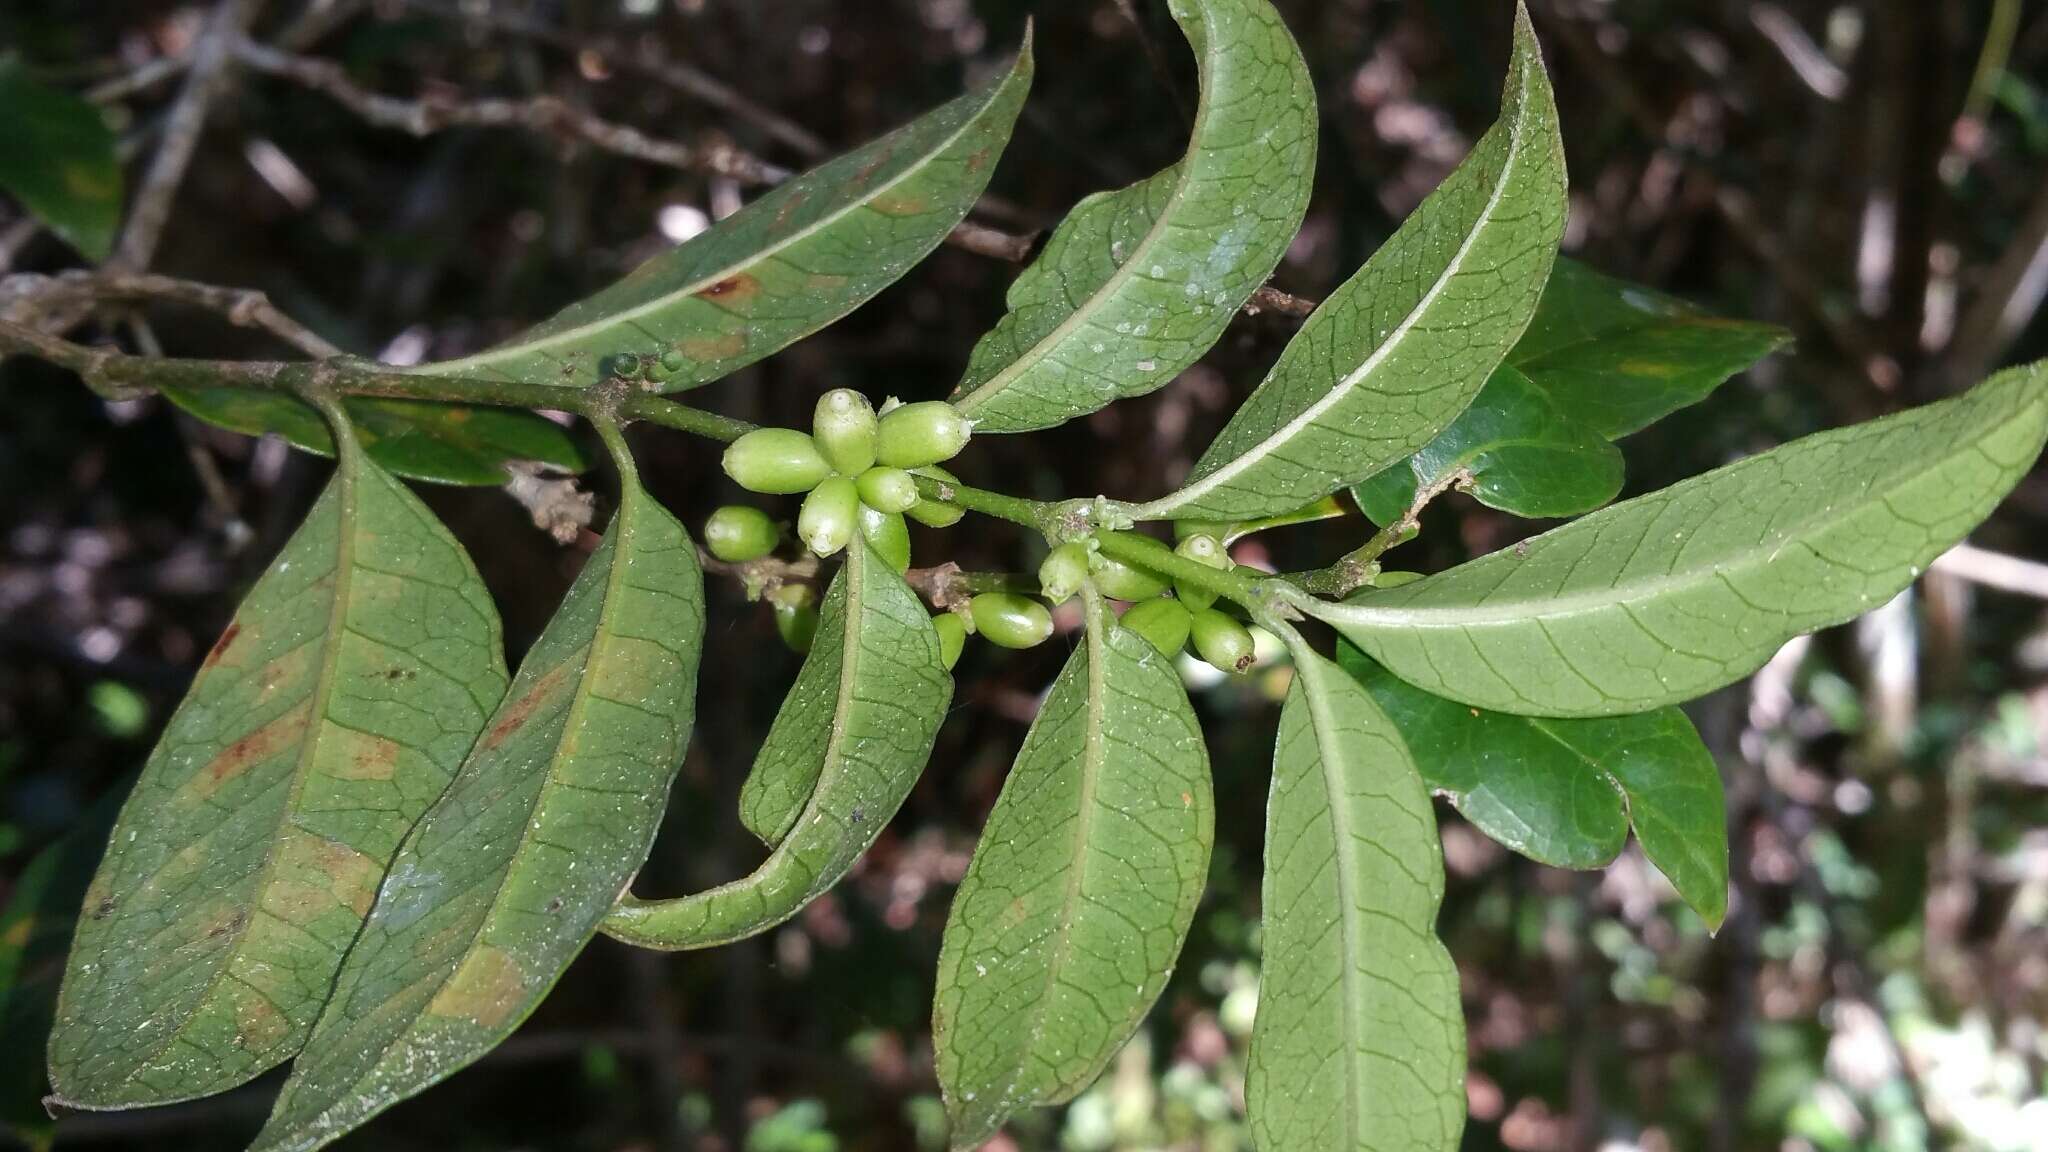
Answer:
(1359, 1044)
(444, 443)
(1401, 348)
(1231, 531)
(505, 878)
(786, 265)
(1619, 356)
(1136, 284)
(1080, 893)
(851, 739)
(326, 718)
(1563, 792)
(1523, 454)
(1661, 598)
(59, 158)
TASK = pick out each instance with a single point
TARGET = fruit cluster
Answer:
(1170, 622)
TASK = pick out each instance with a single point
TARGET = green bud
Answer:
(796, 615)
(952, 632)
(827, 519)
(915, 435)
(1222, 641)
(1163, 622)
(1205, 550)
(656, 370)
(1120, 581)
(936, 513)
(844, 427)
(1010, 620)
(888, 489)
(672, 361)
(737, 533)
(888, 535)
(776, 460)
(1062, 573)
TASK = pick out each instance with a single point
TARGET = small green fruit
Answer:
(1163, 622)
(1222, 641)
(1120, 581)
(888, 489)
(737, 533)
(888, 535)
(1065, 568)
(952, 632)
(829, 515)
(778, 461)
(1010, 620)
(844, 427)
(936, 513)
(915, 435)
(1205, 550)
(796, 615)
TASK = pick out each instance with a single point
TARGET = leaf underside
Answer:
(1135, 284)
(1069, 919)
(505, 878)
(327, 717)
(1662, 598)
(850, 740)
(784, 266)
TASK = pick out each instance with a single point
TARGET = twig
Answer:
(1358, 567)
(2011, 293)
(242, 307)
(1995, 570)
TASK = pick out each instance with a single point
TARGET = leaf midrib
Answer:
(1329, 759)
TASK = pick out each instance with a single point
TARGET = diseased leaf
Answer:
(1401, 348)
(1523, 454)
(786, 265)
(1069, 919)
(1661, 598)
(59, 158)
(443, 443)
(1136, 284)
(1360, 1040)
(326, 718)
(1619, 356)
(1562, 792)
(851, 739)
(505, 878)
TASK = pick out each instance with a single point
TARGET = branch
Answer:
(68, 292)
(1358, 567)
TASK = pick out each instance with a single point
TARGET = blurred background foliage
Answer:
(1872, 174)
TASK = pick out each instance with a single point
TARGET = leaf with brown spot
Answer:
(242, 862)
(864, 218)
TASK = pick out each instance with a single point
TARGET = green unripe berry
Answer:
(829, 515)
(1063, 572)
(844, 427)
(936, 513)
(952, 632)
(1010, 620)
(929, 432)
(887, 489)
(779, 461)
(737, 533)
(1120, 581)
(1205, 550)
(1163, 622)
(796, 615)
(1223, 642)
(888, 535)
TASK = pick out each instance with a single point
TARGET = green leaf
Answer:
(59, 158)
(1360, 1041)
(851, 739)
(1231, 531)
(326, 718)
(1136, 284)
(1562, 792)
(1395, 354)
(1523, 454)
(444, 443)
(1080, 893)
(1662, 598)
(1619, 356)
(505, 878)
(786, 265)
